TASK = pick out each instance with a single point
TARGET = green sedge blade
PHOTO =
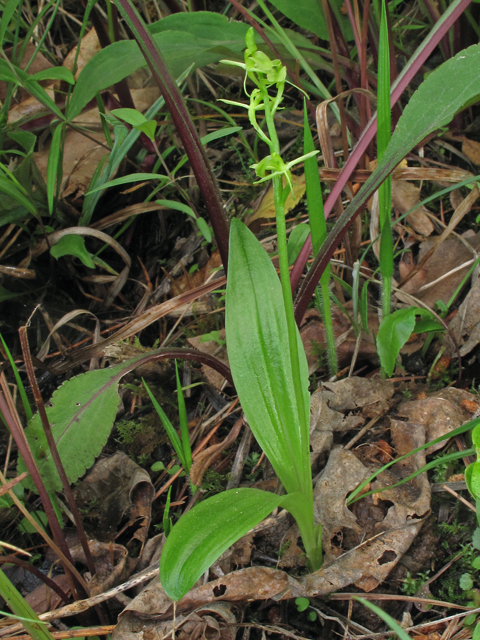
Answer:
(205, 532)
(182, 413)
(169, 428)
(259, 356)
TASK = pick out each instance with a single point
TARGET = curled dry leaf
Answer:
(139, 620)
(115, 489)
(112, 564)
(324, 421)
(405, 196)
(439, 414)
(438, 276)
(354, 554)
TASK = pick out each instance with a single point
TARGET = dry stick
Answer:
(6, 488)
(77, 633)
(459, 497)
(26, 453)
(27, 358)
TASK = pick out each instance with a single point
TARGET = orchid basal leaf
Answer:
(259, 357)
(205, 532)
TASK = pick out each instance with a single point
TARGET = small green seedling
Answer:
(302, 605)
(181, 445)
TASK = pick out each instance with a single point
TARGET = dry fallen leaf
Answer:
(267, 206)
(440, 261)
(405, 196)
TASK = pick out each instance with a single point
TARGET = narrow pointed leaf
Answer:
(393, 333)
(259, 356)
(205, 532)
(453, 85)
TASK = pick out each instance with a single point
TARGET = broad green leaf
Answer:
(474, 479)
(204, 229)
(21, 608)
(205, 532)
(73, 245)
(476, 539)
(25, 526)
(54, 73)
(26, 139)
(428, 324)
(296, 241)
(259, 357)
(302, 604)
(309, 15)
(148, 128)
(81, 414)
(130, 116)
(137, 120)
(134, 177)
(393, 333)
(197, 38)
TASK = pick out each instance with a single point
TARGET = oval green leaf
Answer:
(393, 333)
(259, 356)
(205, 532)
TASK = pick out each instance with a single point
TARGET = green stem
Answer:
(301, 509)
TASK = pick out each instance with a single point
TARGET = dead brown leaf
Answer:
(465, 325)
(89, 46)
(40, 63)
(117, 488)
(42, 598)
(471, 149)
(405, 196)
(439, 414)
(266, 209)
(437, 280)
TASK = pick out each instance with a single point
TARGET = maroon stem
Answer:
(185, 127)
(51, 584)
(26, 453)
(27, 358)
